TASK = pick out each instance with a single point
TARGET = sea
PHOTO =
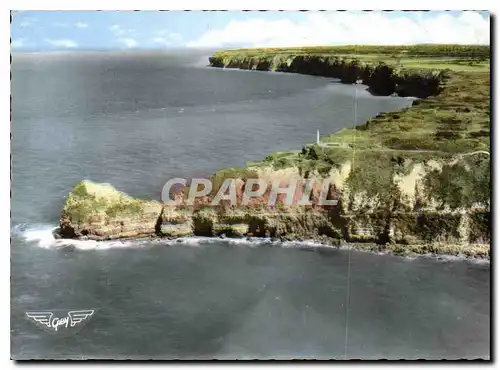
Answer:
(138, 119)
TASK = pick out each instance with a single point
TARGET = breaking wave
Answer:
(42, 235)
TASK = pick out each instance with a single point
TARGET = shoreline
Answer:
(461, 252)
(398, 196)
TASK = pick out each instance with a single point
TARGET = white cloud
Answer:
(168, 39)
(128, 42)
(26, 22)
(18, 43)
(62, 43)
(351, 28)
(125, 36)
(118, 30)
(81, 25)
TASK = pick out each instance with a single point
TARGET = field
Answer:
(454, 57)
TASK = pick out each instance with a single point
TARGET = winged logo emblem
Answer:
(78, 316)
(41, 317)
(54, 322)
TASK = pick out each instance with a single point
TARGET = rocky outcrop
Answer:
(99, 211)
(381, 78)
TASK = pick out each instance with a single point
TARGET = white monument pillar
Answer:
(317, 137)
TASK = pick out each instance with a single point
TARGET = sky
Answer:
(115, 30)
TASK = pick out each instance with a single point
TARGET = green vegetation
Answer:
(411, 181)
(88, 199)
(450, 126)
(465, 183)
(427, 56)
(455, 121)
(428, 50)
(230, 173)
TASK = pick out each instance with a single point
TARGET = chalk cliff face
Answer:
(381, 78)
(411, 215)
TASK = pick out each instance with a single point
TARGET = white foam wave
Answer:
(303, 244)
(38, 233)
(459, 257)
(42, 235)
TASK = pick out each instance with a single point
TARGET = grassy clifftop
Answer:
(418, 50)
(427, 162)
(430, 56)
(451, 127)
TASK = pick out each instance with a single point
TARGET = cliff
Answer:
(382, 78)
(412, 181)
(414, 214)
